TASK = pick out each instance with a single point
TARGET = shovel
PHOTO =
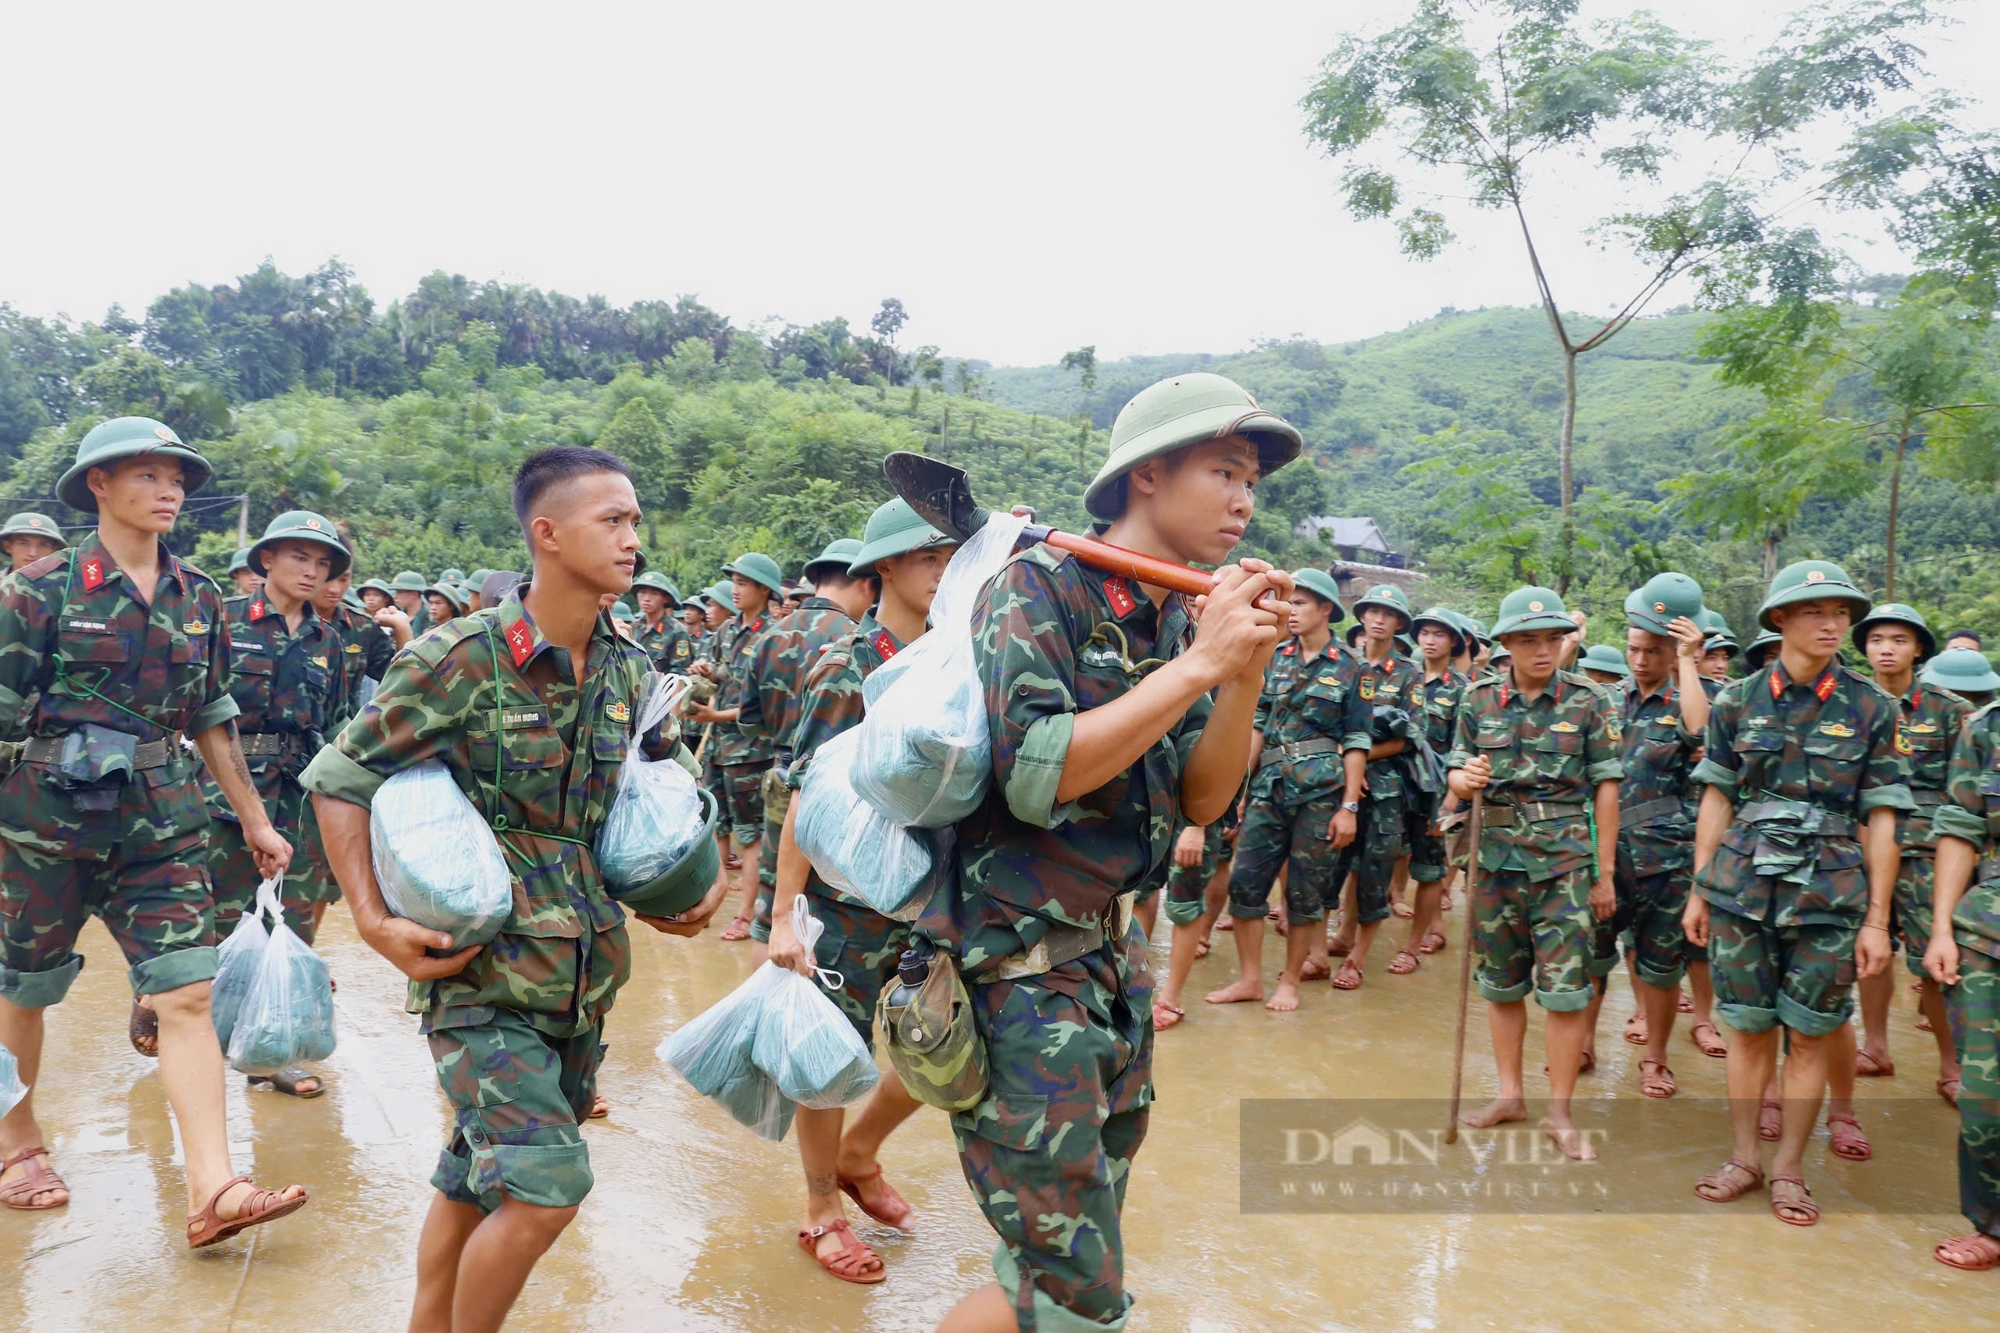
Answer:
(942, 497)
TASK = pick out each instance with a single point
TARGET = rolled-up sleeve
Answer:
(1022, 652)
(401, 726)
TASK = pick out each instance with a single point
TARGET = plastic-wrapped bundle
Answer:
(287, 1012)
(657, 813)
(235, 963)
(435, 858)
(804, 1042)
(858, 849)
(925, 755)
(713, 1053)
(12, 1090)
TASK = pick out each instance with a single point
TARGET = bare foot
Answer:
(1570, 1140)
(1286, 999)
(1401, 910)
(1499, 1111)
(1236, 992)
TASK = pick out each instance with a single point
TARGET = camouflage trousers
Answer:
(517, 1095)
(1801, 976)
(1912, 902)
(1049, 1151)
(1380, 841)
(1280, 830)
(1534, 934)
(741, 798)
(1649, 919)
(863, 946)
(777, 800)
(232, 871)
(1974, 1005)
(137, 867)
(1187, 886)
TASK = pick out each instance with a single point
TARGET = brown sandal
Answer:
(1312, 969)
(1719, 1187)
(1845, 1137)
(1770, 1120)
(1432, 942)
(1660, 1084)
(287, 1081)
(39, 1178)
(1404, 963)
(737, 929)
(1867, 1066)
(1988, 1255)
(1341, 979)
(1635, 1030)
(1790, 1192)
(259, 1206)
(1166, 1015)
(1714, 1048)
(142, 1029)
(600, 1107)
(1949, 1088)
(852, 1262)
(889, 1216)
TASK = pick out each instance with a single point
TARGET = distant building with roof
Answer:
(1362, 551)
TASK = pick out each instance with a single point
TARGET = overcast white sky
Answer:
(1028, 177)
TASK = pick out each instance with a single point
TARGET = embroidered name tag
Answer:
(528, 719)
(87, 626)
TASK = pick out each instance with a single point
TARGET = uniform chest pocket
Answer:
(1758, 743)
(527, 750)
(608, 747)
(86, 640)
(1558, 742)
(1324, 705)
(184, 650)
(253, 663)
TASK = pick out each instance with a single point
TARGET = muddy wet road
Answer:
(691, 1225)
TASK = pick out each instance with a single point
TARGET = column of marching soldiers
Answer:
(1757, 829)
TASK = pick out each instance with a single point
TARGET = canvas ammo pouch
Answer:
(934, 1045)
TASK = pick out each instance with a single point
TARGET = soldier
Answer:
(529, 707)
(1543, 745)
(1601, 664)
(1965, 673)
(474, 585)
(1964, 638)
(694, 620)
(375, 594)
(1798, 756)
(1966, 958)
(905, 557)
(123, 646)
(1113, 717)
(623, 618)
(1197, 890)
(774, 684)
(30, 537)
(445, 601)
(246, 579)
(364, 659)
(658, 633)
(1311, 732)
(1758, 654)
(741, 760)
(409, 589)
(1718, 648)
(1434, 698)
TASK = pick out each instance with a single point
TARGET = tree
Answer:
(1085, 360)
(634, 435)
(889, 320)
(1481, 93)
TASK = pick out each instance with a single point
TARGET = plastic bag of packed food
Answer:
(656, 815)
(925, 756)
(12, 1090)
(804, 1042)
(437, 861)
(713, 1053)
(858, 849)
(286, 1015)
(235, 963)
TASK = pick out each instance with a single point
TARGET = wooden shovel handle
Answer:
(1132, 565)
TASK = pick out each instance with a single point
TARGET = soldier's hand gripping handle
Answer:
(1235, 634)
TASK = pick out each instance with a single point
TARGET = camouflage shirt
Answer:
(529, 744)
(1438, 701)
(1971, 813)
(668, 645)
(1053, 638)
(1833, 745)
(731, 651)
(1931, 720)
(1556, 748)
(365, 649)
(1387, 684)
(831, 703)
(771, 689)
(284, 685)
(1306, 699)
(1659, 755)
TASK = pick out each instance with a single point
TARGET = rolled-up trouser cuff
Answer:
(1182, 913)
(551, 1175)
(1747, 1018)
(171, 971)
(39, 990)
(1248, 912)
(1048, 1316)
(1505, 994)
(1564, 1001)
(1670, 979)
(1597, 967)
(1811, 1022)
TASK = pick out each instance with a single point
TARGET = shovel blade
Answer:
(939, 493)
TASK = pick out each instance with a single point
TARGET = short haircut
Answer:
(1971, 634)
(548, 468)
(839, 578)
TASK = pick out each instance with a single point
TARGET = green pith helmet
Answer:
(1760, 649)
(658, 582)
(479, 577)
(1808, 581)
(758, 568)
(1321, 585)
(835, 559)
(1961, 670)
(1187, 409)
(1526, 609)
(1603, 657)
(1896, 613)
(620, 611)
(1498, 655)
(1476, 628)
(378, 585)
(299, 525)
(451, 576)
(1663, 599)
(240, 560)
(723, 596)
(1387, 596)
(1712, 624)
(451, 592)
(409, 581)
(128, 437)
(33, 525)
(1446, 620)
(352, 600)
(1353, 635)
(893, 529)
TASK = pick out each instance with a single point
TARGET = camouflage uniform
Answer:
(770, 702)
(859, 943)
(1437, 702)
(1656, 809)
(1049, 1150)
(1970, 812)
(668, 645)
(1383, 838)
(1537, 850)
(1931, 719)
(740, 759)
(1314, 705)
(1803, 765)
(1187, 886)
(132, 853)
(515, 1034)
(285, 690)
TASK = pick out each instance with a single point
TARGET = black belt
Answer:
(1831, 825)
(48, 750)
(1295, 750)
(1066, 944)
(1630, 816)
(1531, 812)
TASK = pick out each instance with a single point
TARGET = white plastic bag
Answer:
(713, 1053)
(657, 815)
(12, 1090)
(235, 963)
(435, 858)
(926, 755)
(804, 1042)
(855, 847)
(287, 1012)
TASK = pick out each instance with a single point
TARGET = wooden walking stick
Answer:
(1465, 964)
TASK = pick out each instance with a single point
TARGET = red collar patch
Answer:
(885, 643)
(257, 610)
(521, 641)
(93, 574)
(1823, 688)
(1119, 596)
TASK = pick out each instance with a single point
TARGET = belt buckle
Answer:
(1030, 964)
(1123, 908)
